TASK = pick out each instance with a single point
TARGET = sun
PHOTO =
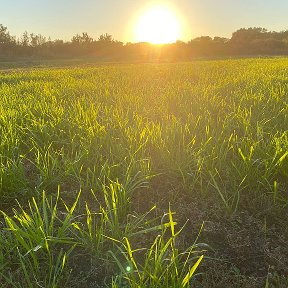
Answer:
(158, 25)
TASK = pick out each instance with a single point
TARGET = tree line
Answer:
(245, 41)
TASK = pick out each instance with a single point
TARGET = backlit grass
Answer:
(210, 130)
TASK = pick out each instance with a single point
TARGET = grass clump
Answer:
(38, 243)
(162, 264)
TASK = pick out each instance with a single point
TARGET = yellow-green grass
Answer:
(208, 129)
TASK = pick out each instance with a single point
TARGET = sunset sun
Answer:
(158, 25)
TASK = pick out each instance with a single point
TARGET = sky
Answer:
(61, 19)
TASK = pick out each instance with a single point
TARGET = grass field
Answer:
(101, 168)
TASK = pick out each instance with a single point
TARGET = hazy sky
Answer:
(64, 18)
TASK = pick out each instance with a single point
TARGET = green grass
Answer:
(130, 137)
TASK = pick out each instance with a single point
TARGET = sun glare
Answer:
(158, 25)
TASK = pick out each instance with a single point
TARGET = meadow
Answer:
(145, 175)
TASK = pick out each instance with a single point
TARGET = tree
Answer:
(25, 40)
(105, 38)
(5, 37)
(244, 35)
(222, 40)
(82, 39)
(203, 39)
(37, 40)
